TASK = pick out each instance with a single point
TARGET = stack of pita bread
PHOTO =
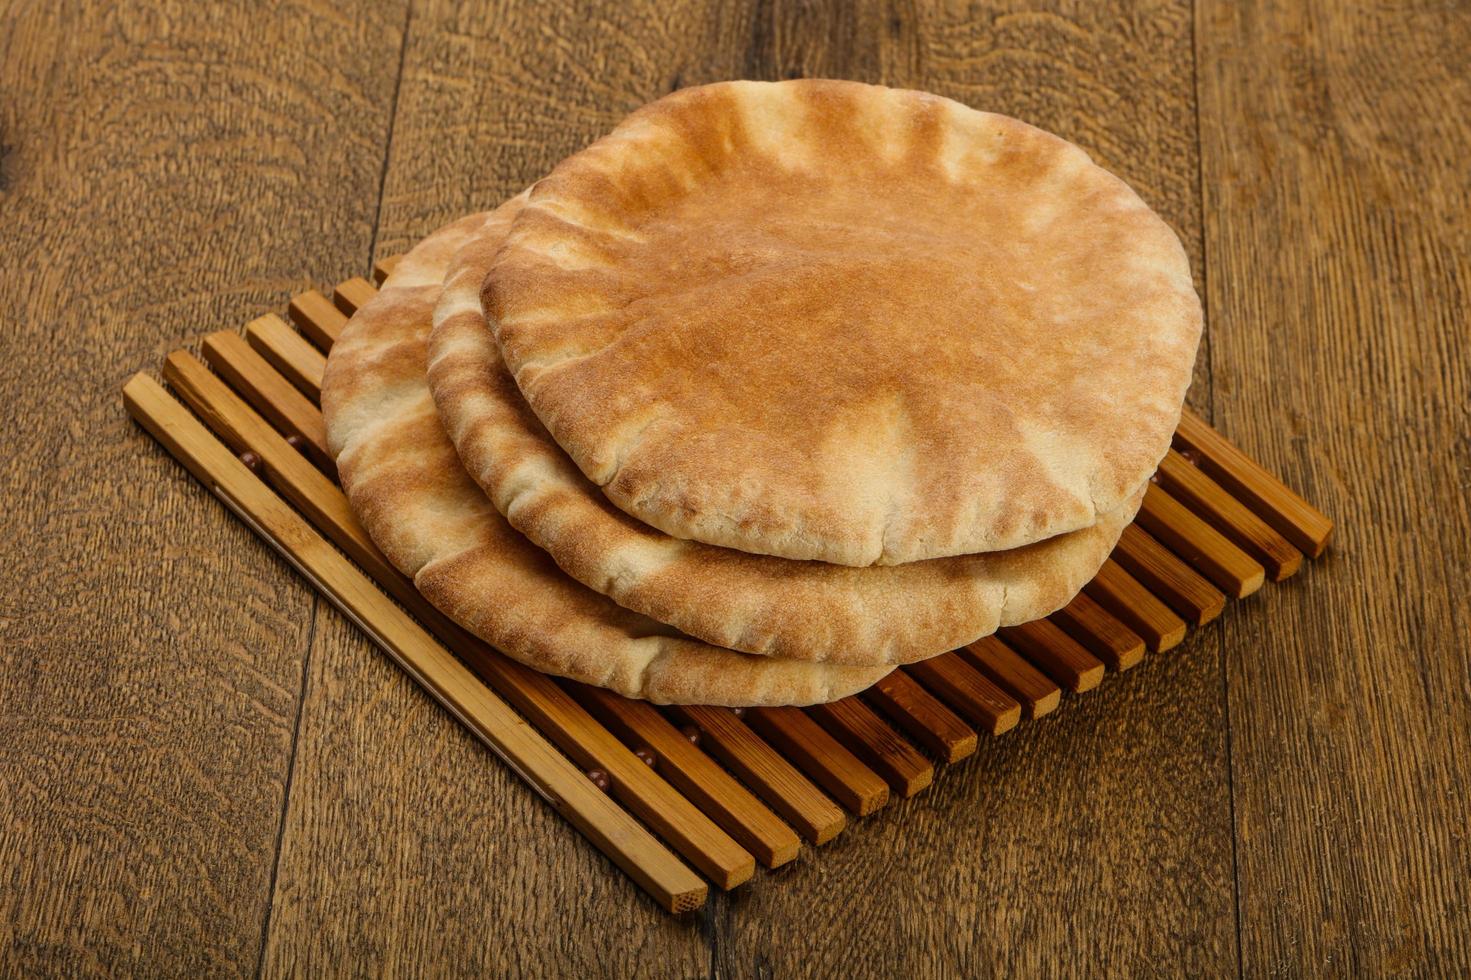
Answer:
(772, 389)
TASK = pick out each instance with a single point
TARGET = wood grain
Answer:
(166, 689)
(1335, 148)
(155, 160)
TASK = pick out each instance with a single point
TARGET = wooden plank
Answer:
(1158, 569)
(1202, 546)
(154, 184)
(1136, 607)
(691, 833)
(1335, 157)
(1100, 631)
(1056, 654)
(763, 769)
(864, 733)
(1037, 693)
(288, 352)
(821, 757)
(270, 394)
(923, 717)
(1189, 485)
(317, 319)
(434, 667)
(1297, 520)
(693, 773)
(351, 294)
(973, 696)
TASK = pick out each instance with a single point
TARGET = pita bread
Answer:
(804, 610)
(826, 320)
(431, 520)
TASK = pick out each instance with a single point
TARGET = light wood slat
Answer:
(1136, 607)
(1056, 654)
(448, 680)
(975, 697)
(1193, 488)
(270, 394)
(1300, 522)
(1181, 587)
(288, 352)
(317, 319)
(693, 773)
(792, 795)
(351, 294)
(822, 757)
(1038, 694)
(1203, 547)
(384, 267)
(1101, 632)
(575, 732)
(866, 735)
(922, 716)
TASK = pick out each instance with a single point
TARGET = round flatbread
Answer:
(432, 521)
(804, 610)
(826, 320)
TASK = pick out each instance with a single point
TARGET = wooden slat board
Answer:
(723, 789)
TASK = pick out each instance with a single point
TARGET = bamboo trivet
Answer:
(722, 789)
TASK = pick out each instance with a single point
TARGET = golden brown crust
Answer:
(830, 320)
(804, 610)
(431, 520)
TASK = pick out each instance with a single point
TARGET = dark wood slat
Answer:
(923, 717)
(1158, 569)
(1202, 546)
(822, 757)
(1101, 632)
(693, 773)
(1136, 607)
(791, 794)
(973, 695)
(856, 725)
(1279, 505)
(1056, 654)
(1243, 526)
(383, 268)
(1037, 693)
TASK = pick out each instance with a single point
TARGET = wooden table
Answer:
(205, 770)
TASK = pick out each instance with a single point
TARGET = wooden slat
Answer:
(791, 794)
(974, 696)
(1158, 569)
(317, 319)
(1136, 607)
(822, 757)
(449, 681)
(1203, 547)
(1101, 632)
(350, 295)
(693, 773)
(270, 394)
(1299, 521)
(289, 353)
(575, 732)
(866, 735)
(1037, 693)
(922, 716)
(384, 267)
(1231, 517)
(1056, 654)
